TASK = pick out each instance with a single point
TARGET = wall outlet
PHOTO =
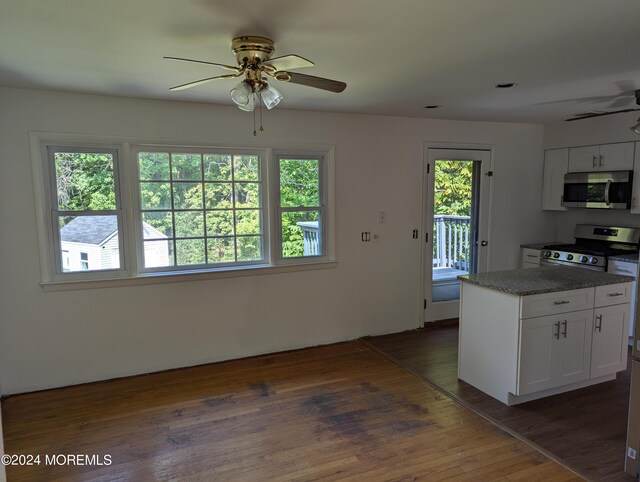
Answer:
(632, 453)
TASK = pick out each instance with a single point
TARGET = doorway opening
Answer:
(456, 225)
(455, 230)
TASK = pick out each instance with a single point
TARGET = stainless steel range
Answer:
(593, 246)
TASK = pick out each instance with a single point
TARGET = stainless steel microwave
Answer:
(602, 190)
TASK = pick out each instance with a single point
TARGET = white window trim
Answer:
(132, 275)
(51, 251)
(277, 208)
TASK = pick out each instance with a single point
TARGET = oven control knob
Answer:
(584, 259)
(556, 255)
(547, 254)
(594, 260)
(569, 257)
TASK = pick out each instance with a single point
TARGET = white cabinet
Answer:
(605, 157)
(609, 346)
(556, 164)
(629, 269)
(554, 351)
(530, 258)
(520, 348)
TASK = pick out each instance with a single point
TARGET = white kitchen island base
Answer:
(521, 347)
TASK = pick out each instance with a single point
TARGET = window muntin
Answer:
(300, 206)
(85, 208)
(203, 208)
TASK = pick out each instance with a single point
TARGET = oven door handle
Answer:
(607, 188)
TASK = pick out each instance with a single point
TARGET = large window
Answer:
(181, 209)
(204, 208)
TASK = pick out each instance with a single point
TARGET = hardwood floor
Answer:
(339, 412)
(585, 428)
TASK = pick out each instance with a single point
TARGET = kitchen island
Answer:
(530, 333)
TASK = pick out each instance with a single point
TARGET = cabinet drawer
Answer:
(613, 294)
(553, 303)
(622, 267)
(530, 255)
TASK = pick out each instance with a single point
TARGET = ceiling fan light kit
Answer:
(242, 93)
(254, 59)
(270, 96)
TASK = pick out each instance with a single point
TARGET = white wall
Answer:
(61, 338)
(3, 475)
(599, 130)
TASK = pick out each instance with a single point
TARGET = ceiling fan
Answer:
(255, 65)
(620, 101)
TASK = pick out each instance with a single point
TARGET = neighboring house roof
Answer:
(98, 230)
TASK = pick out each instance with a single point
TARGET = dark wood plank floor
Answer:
(585, 428)
(339, 412)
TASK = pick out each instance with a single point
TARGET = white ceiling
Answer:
(396, 56)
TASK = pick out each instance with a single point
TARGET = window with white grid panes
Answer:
(200, 209)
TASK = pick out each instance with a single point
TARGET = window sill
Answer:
(176, 277)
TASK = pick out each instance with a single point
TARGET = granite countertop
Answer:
(546, 279)
(629, 258)
(539, 245)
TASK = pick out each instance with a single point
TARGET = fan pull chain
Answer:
(260, 99)
(254, 121)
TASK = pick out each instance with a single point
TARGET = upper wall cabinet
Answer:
(606, 157)
(556, 162)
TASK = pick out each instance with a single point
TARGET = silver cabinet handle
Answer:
(599, 323)
(615, 294)
(594, 161)
(563, 302)
(556, 333)
(601, 160)
(564, 328)
(532, 256)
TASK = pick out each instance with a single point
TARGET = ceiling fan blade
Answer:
(311, 81)
(227, 67)
(203, 81)
(622, 101)
(288, 62)
(599, 114)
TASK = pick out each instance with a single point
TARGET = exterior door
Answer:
(456, 225)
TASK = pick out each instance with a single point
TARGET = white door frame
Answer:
(483, 152)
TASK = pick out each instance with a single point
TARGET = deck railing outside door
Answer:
(451, 242)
